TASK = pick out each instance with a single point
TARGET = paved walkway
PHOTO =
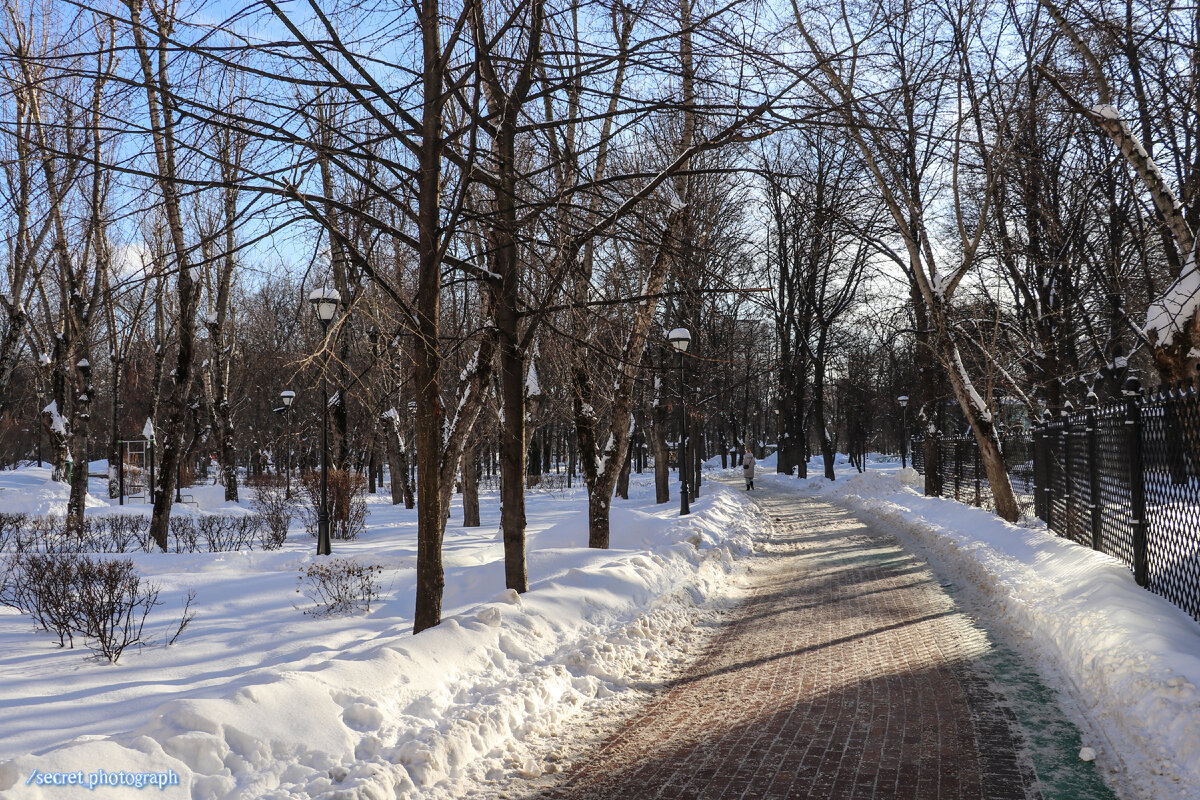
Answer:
(849, 673)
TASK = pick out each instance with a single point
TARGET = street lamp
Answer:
(288, 397)
(325, 305)
(680, 338)
(903, 401)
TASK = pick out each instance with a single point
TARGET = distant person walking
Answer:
(748, 463)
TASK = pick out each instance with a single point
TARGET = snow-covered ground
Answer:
(1126, 662)
(258, 699)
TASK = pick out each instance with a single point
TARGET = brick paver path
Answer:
(848, 674)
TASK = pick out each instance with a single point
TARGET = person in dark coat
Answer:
(748, 469)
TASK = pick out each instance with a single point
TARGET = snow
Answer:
(532, 387)
(332, 295)
(258, 699)
(674, 201)
(980, 407)
(1126, 661)
(57, 423)
(681, 335)
(1168, 314)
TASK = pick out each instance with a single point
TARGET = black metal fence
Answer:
(1123, 479)
(961, 475)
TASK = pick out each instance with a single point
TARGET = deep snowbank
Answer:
(1128, 659)
(260, 701)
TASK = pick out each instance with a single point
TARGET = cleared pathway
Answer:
(849, 673)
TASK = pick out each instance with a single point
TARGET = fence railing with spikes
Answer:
(1122, 478)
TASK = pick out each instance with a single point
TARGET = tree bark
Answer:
(658, 444)
(470, 469)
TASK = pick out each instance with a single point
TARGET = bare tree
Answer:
(915, 151)
(1146, 53)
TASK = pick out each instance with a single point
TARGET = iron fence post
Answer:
(978, 499)
(1064, 436)
(1048, 498)
(1137, 477)
(1039, 481)
(957, 469)
(1093, 455)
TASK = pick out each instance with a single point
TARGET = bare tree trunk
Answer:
(470, 468)
(159, 96)
(397, 464)
(623, 478)
(602, 466)
(80, 432)
(820, 424)
(662, 455)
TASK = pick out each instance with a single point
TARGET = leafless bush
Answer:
(223, 533)
(43, 585)
(123, 533)
(339, 586)
(10, 527)
(104, 601)
(185, 619)
(113, 605)
(347, 503)
(551, 484)
(45, 535)
(274, 509)
(184, 535)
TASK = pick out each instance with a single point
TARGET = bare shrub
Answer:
(185, 619)
(44, 535)
(123, 533)
(339, 586)
(104, 601)
(44, 586)
(347, 503)
(274, 510)
(184, 536)
(216, 532)
(223, 533)
(113, 605)
(10, 528)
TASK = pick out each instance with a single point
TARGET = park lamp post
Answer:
(325, 305)
(680, 338)
(903, 401)
(288, 397)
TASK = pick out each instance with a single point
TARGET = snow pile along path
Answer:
(1128, 659)
(441, 714)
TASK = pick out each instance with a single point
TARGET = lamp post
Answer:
(325, 305)
(288, 397)
(680, 338)
(903, 401)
